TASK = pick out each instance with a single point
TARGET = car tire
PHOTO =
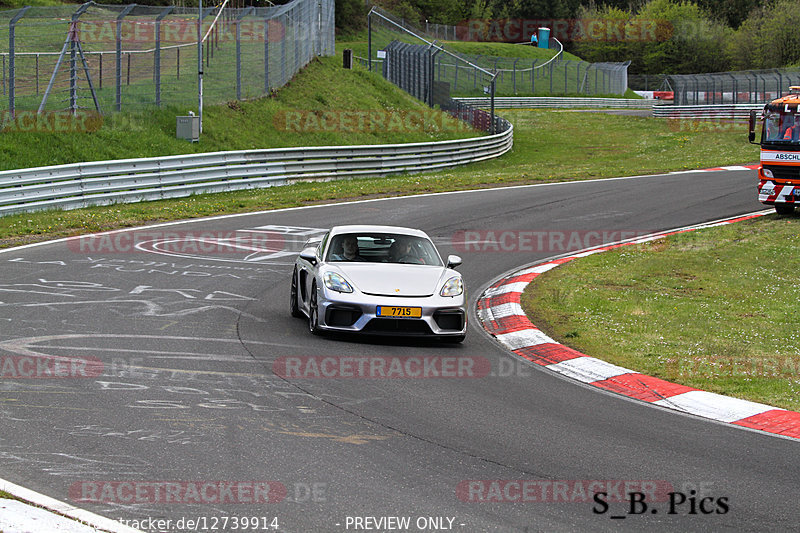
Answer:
(294, 309)
(313, 311)
(784, 209)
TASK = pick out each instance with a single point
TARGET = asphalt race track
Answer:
(182, 416)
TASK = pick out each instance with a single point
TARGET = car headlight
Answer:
(767, 173)
(336, 282)
(452, 287)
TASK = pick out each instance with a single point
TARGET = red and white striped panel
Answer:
(501, 314)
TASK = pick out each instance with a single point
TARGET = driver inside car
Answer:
(404, 251)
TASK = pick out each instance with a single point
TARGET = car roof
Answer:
(364, 228)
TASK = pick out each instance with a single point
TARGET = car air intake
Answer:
(452, 320)
(398, 325)
(342, 317)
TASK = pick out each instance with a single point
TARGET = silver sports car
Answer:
(381, 280)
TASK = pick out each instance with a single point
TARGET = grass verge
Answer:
(545, 148)
(713, 309)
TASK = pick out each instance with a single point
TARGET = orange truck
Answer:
(779, 171)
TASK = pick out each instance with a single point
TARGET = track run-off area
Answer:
(156, 384)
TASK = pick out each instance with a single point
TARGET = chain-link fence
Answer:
(742, 87)
(412, 67)
(649, 82)
(129, 57)
(466, 74)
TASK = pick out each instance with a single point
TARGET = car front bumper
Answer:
(357, 313)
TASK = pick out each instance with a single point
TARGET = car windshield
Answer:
(782, 127)
(383, 248)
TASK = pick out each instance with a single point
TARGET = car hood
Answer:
(393, 280)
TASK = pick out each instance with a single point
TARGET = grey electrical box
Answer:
(188, 128)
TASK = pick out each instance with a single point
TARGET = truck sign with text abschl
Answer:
(779, 171)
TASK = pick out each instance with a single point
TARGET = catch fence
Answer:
(411, 67)
(741, 87)
(108, 58)
(466, 74)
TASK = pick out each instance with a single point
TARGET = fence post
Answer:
(266, 55)
(491, 107)
(433, 77)
(157, 58)
(296, 39)
(238, 23)
(121, 16)
(11, 71)
(369, 40)
(283, 52)
(514, 75)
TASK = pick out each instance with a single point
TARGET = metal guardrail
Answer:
(559, 102)
(106, 182)
(719, 111)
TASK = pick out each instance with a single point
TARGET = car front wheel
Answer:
(294, 309)
(784, 209)
(313, 317)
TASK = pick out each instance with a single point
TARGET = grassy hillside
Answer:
(360, 48)
(262, 123)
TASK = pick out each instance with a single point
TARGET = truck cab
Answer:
(779, 171)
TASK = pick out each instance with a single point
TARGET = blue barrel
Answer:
(544, 37)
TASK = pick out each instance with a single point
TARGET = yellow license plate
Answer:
(399, 312)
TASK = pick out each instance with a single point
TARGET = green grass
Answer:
(713, 309)
(544, 151)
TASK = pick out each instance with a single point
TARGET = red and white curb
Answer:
(752, 166)
(501, 314)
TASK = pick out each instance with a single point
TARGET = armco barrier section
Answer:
(531, 102)
(697, 112)
(106, 182)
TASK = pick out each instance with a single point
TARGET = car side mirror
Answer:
(453, 261)
(309, 254)
(752, 135)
